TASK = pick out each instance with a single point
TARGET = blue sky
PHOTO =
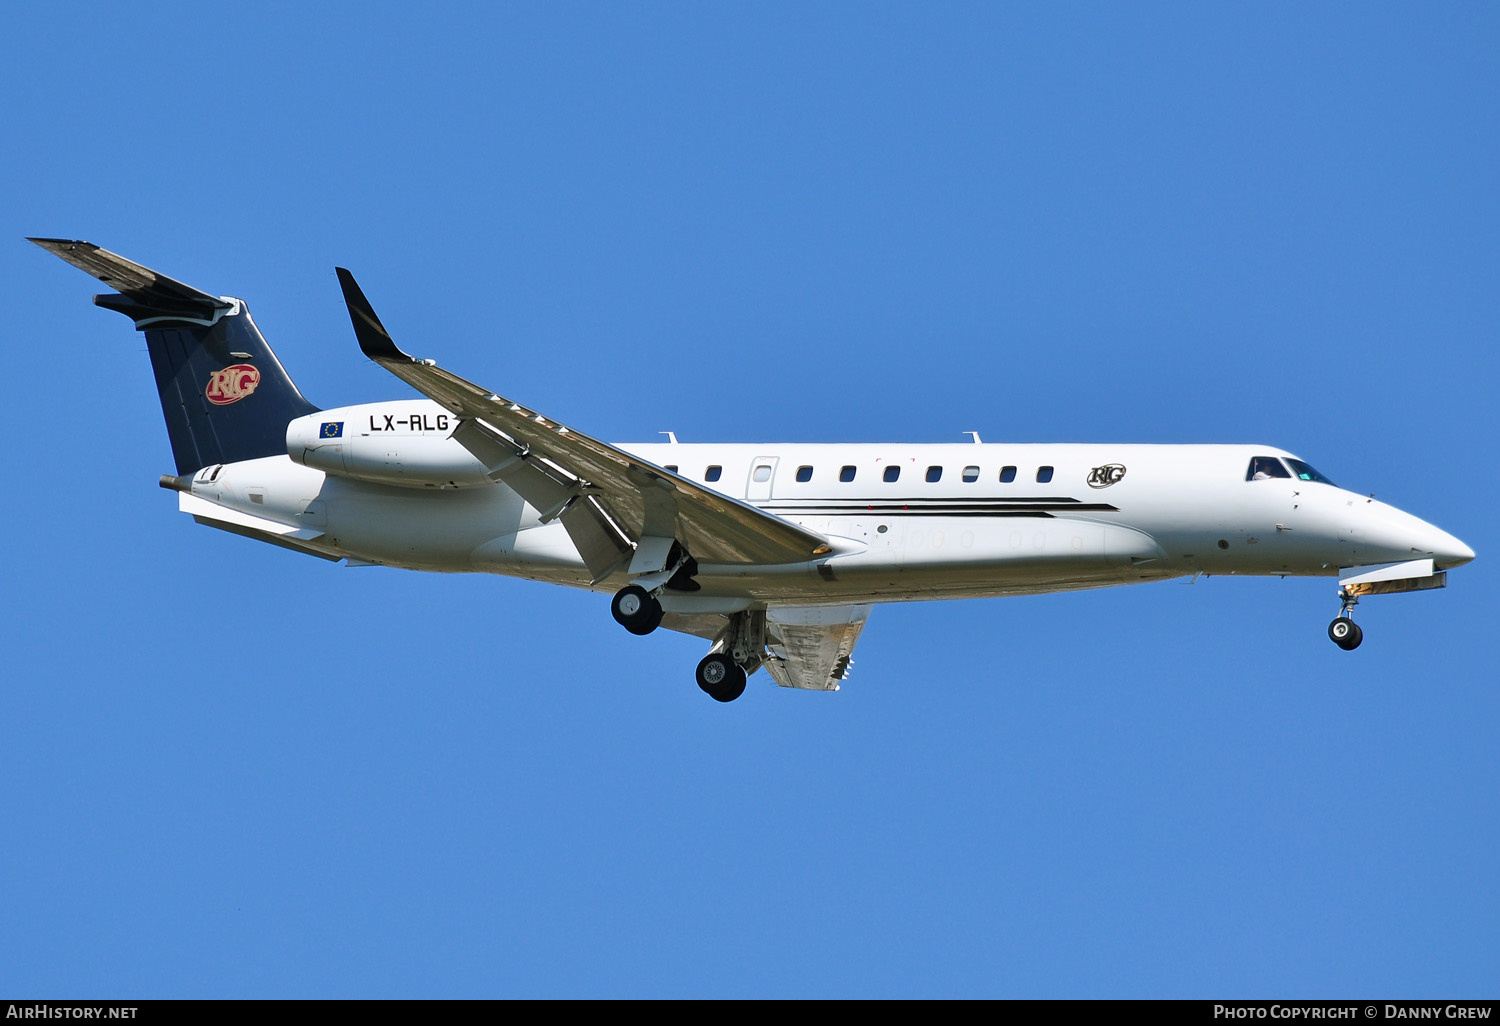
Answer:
(232, 771)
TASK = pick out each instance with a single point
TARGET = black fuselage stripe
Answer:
(890, 513)
(1033, 513)
(1030, 500)
(966, 509)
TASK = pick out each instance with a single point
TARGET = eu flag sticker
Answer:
(332, 429)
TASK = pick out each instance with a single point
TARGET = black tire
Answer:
(1346, 633)
(651, 624)
(634, 609)
(734, 688)
(720, 678)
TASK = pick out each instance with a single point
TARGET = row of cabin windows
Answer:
(892, 473)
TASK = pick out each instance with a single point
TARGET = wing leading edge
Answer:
(606, 498)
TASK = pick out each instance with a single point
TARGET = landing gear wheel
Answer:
(1346, 633)
(635, 610)
(721, 678)
(651, 624)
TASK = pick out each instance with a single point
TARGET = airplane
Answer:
(775, 554)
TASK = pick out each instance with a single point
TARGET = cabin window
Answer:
(971, 474)
(892, 473)
(761, 473)
(934, 474)
(804, 474)
(1043, 475)
(713, 473)
(1007, 474)
(1305, 472)
(1263, 468)
(670, 467)
(846, 474)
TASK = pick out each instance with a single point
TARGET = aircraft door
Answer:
(762, 477)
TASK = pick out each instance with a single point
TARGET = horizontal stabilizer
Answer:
(148, 295)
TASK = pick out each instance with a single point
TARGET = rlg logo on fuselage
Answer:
(231, 384)
(1103, 477)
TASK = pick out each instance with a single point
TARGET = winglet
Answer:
(374, 341)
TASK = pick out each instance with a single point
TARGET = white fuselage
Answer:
(395, 489)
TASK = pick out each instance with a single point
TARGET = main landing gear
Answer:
(738, 650)
(721, 678)
(636, 609)
(1344, 631)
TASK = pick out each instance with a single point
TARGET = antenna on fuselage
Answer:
(976, 436)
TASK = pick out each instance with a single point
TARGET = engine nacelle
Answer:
(398, 443)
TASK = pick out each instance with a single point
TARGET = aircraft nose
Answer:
(1450, 552)
(1446, 550)
(1392, 534)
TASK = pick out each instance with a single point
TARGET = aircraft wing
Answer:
(810, 645)
(606, 498)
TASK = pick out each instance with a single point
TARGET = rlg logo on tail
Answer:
(231, 384)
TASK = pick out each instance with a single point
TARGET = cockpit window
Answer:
(1263, 467)
(1306, 473)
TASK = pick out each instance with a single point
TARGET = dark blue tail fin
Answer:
(224, 394)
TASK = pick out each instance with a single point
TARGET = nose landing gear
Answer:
(1344, 632)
